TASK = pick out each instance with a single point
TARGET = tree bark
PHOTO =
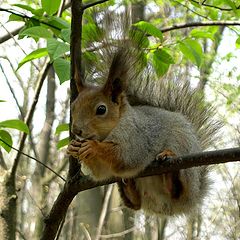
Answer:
(8, 206)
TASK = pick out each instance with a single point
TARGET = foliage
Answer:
(5, 137)
(161, 53)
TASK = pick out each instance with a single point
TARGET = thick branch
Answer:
(79, 183)
(76, 59)
(200, 24)
(169, 165)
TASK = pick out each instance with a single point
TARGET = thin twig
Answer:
(12, 91)
(11, 34)
(17, 30)
(35, 203)
(120, 234)
(29, 116)
(38, 161)
(200, 24)
(104, 211)
(2, 161)
(216, 7)
(24, 16)
(188, 8)
(86, 6)
(20, 46)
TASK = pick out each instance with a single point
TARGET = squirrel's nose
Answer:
(76, 130)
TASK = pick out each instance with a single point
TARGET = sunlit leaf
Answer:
(62, 128)
(57, 22)
(37, 32)
(62, 68)
(63, 142)
(50, 6)
(66, 33)
(192, 50)
(56, 48)
(41, 52)
(13, 17)
(38, 12)
(201, 34)
(238, 43)
(161, 61)
(6, 137)
(149, 29)
(16, 124)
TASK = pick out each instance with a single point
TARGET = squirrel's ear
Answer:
(116, 82)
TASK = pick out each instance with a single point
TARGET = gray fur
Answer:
(142, 133)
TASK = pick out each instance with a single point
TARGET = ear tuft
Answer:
(117, 89)
(117, 76)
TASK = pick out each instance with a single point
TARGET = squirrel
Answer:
(134, 119)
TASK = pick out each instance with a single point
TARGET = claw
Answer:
(165, 155)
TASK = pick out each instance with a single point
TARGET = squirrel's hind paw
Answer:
(164, 155)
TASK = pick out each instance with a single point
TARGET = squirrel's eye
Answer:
(101, 110)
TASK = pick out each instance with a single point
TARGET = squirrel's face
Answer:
(95, 113)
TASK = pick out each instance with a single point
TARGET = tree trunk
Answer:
(8, 207)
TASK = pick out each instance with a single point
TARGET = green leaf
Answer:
(196, 33)
(62, 68)
(41, 52)
(37, 32)
(16, 124)
(50, 6)
(161, 61)
(6, 137)
(62, 128)
(56, 49)
(149, 29)
(66, 33)
(58, 22)
(38, 12)
(13, 17)
(238, 43)
(230, 3)
(63, 142)
(192, 50)
(2, 101)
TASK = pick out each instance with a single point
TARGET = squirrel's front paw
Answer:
(88, 150)
(73, 148)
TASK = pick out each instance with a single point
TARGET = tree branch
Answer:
(29, 116)
(9, 35)
(36, 160)
(14, 32)
(79, 183)
(200, 24)
(216, 7)
(86, 6)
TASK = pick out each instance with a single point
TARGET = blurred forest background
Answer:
(197, 41)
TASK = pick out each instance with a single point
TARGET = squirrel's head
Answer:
(97, 110)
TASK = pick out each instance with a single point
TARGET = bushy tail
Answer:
(177, 96)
